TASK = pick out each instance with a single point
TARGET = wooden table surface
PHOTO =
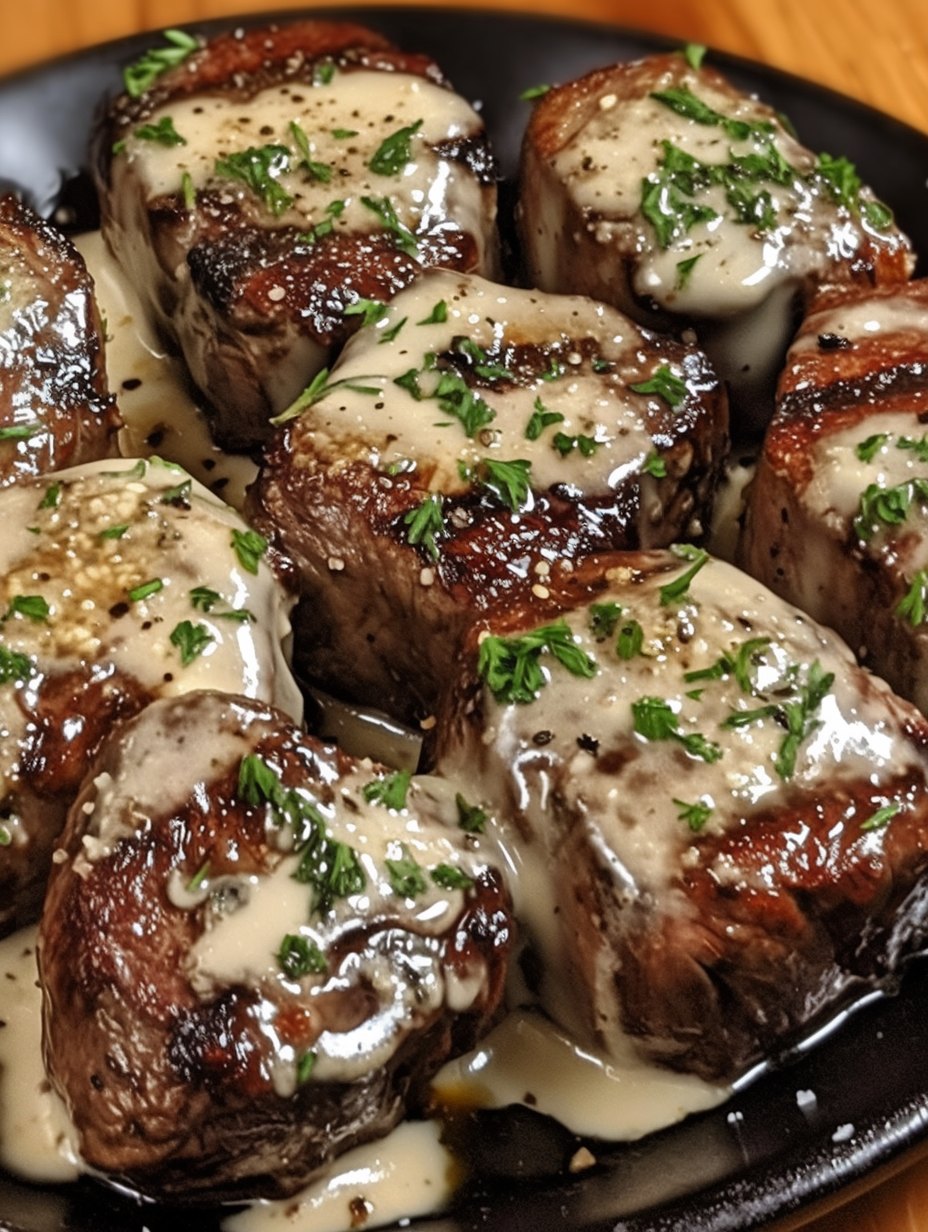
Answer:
(877, 52)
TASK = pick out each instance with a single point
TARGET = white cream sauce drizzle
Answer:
(390, 428)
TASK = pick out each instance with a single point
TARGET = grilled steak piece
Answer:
(662, 189)
(116, 586)
(263, 187)
(836, 514)
(469, 443)
(55, 410)
(732, 813)
(256, 950)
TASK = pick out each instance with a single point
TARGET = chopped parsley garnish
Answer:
(333, 869)
(406, 877)
(919, 447)
(455, 397)
(890, 506)
(320, 387)
(13, 665)
(684, 102)
(326, 226)
(693, 54)
(188, 191)
(510, 481)
(191, 640)
(603, 619)
(564, 444)
(258, 168)
(685, 270)
(630, 640)
(749, 655)
(323, 73)
(471, 818)
(533, 92)
(342, 134)
(163, 133)
(425, 521)
(390, 791)
(249, 547)
(6, 837)
(299, 956)
(881, 818)
(654, 465)
(33, 607)
(797, 715)
(695, 815)
(370, 310)
(541, 418)
(316, 170)
(394, 152)
(307, 1062)
(842, 183)
(655, 719)
(115, 532)
(481, 363)
(52, 497)
(145, 590)
(913, 607)
(447, 877)
(20, 431)
(511, 666)
(699, 557)
(388, 335)
(204, 599)
(403, 237)
(868, 449)
(198, 878)
(665, 384)
(178, 495)
(438, 315)
(137, 77)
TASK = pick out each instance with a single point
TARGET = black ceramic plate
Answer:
(840, 1110)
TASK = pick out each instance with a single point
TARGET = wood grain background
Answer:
(874, 50)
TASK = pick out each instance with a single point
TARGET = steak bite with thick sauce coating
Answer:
(835, 516)
(55, 407)
(470, 441)
(265, 186)
(660, 188)
(256, 951)
(116, 586)
(734, 814)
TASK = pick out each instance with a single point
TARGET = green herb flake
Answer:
(471, 817)
(664, 384)
(878, 215)
(316, 170)
(654, 719)
(891, 506)
(655, 466)
(407, 879)
(52, 497)
(403, 237)
(299, 956)
(20, 431)
(425, 522)
(14, 666)
(389, 335)
(685, 271)
(913, 607)
(541, 418)
(249, 547)
(140, 75)
(258, 168)
(867, 450)
(447, 877)
(320, 387)
(145, 590)
(163, 133)
(510, 481)
(630, 640)
(342, 134)
(394, 152)
(695, 815)
(178, 495)
(115, 532)
(191, 640)
(32, 607)
(323, 73)
(188, 191)
(304, 1068)
(390, 791)
(370, 310)
(511, 665)
(602, 619)
(881, 818)
(6, 835)
(198, 878)
(673, 591)
(438, 315)
(693, 54)
(529, 94)
(917, 445)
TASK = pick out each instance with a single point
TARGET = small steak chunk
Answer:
(837, 514)
(116, 586)
(662, 189)
(276, 179)
(470, 441)
(732, 813)
(256, 951)
(55, 409)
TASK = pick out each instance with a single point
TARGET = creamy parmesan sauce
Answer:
(390, 429)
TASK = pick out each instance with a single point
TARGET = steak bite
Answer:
(55, 409)
(256, 951)
(835, 517)
(263, 187)
(660, 188)
(471, 441)
(733, 814)
(116, 586)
